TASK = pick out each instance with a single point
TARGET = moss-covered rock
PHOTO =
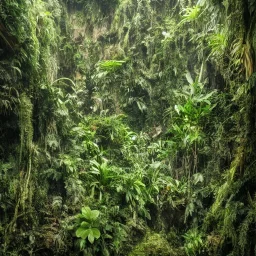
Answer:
(154, 244)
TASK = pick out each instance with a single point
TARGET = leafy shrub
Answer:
(88, 226)
(193, 242)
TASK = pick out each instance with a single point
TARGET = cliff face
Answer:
(140, 114)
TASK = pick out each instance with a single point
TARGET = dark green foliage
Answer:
(100, 115)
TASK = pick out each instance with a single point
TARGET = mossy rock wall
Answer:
(155, 244)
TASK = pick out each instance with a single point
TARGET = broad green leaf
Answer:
(94, 214)
(90, 214)
(85, 211)
(84, 224)
(96, 233)
(91, 237)
(82, 232)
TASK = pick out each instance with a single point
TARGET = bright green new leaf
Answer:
(90, 214)
(96, 233)
(82, 232)
(91, 238)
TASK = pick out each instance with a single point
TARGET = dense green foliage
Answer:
(127, 127)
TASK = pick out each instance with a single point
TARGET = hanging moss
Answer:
(26, 127)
